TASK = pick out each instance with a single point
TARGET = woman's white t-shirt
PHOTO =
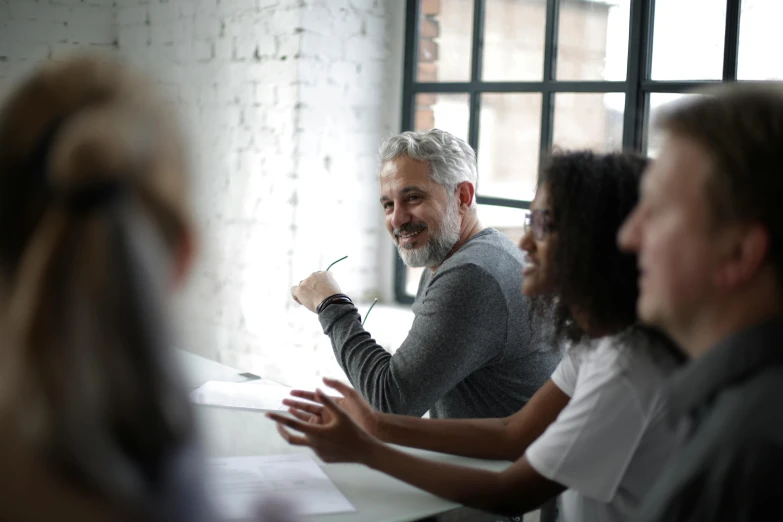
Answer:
(610, 442)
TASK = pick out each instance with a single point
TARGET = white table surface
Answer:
(197, 370)
(232, 432)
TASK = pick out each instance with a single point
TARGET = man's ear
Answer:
(747, 251)
(466, 192)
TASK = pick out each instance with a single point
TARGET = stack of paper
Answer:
(255, 395)
(296, 480)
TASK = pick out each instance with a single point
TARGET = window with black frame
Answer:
(517, 78)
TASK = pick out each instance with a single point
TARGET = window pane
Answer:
(448, 112)
(509, 143)
(593, 121)
(759, 34)
(688, 39)
(593, 40)
(509, 221)
(445, 40)
(514, 40)
(658, 100)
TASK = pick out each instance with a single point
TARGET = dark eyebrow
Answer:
(405, 190)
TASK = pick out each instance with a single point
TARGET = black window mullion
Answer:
(550, 64)
(639, 69)
(503, 202)
(675, 86)
(473, 126)
(550, 39)
(410, 64)
(408, 108)
(731, 40)
(547, 123)
(588, 86)
(479, 8)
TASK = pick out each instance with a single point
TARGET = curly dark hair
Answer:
(590, 195)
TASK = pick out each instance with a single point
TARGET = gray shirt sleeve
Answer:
(460, 326)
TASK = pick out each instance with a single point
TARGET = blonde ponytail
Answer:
(93, 230)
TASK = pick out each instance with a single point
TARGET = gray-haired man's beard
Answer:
(441, 241)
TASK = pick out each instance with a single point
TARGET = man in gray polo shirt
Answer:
(709, 233)
(471, 351)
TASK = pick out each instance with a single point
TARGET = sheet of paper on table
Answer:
(255, 395)
(296, 480)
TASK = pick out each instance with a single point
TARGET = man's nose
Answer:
(400, 216)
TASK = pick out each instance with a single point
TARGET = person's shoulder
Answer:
(641, 349)
(744, 415)
(761, 388)
(757, 401)
(467, 275)
(767, 385)
(489, 242)
(604, 352)
(628, 359)
(491, 250)
(484, 265)
(594, 360)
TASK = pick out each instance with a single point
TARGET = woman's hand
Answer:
(336, 439)
(351, 403)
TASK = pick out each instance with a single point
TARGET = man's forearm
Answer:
(366, 363)
(445, 344)
(477, 438)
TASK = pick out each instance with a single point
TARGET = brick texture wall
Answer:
(284, 103)
(32, 31)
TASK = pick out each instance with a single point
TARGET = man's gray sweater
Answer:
(471, 351)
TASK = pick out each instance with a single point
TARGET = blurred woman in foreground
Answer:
(94, 234)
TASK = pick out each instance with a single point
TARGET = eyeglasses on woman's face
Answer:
(539, 222)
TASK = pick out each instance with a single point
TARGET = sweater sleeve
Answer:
(460, 326)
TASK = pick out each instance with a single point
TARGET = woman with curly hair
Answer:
(596, 429)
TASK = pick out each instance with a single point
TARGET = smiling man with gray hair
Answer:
(471, 351)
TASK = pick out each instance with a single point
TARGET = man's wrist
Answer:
(335, 298)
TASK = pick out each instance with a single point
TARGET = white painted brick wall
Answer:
(284, 103)
(32, 31)
(285, 115)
